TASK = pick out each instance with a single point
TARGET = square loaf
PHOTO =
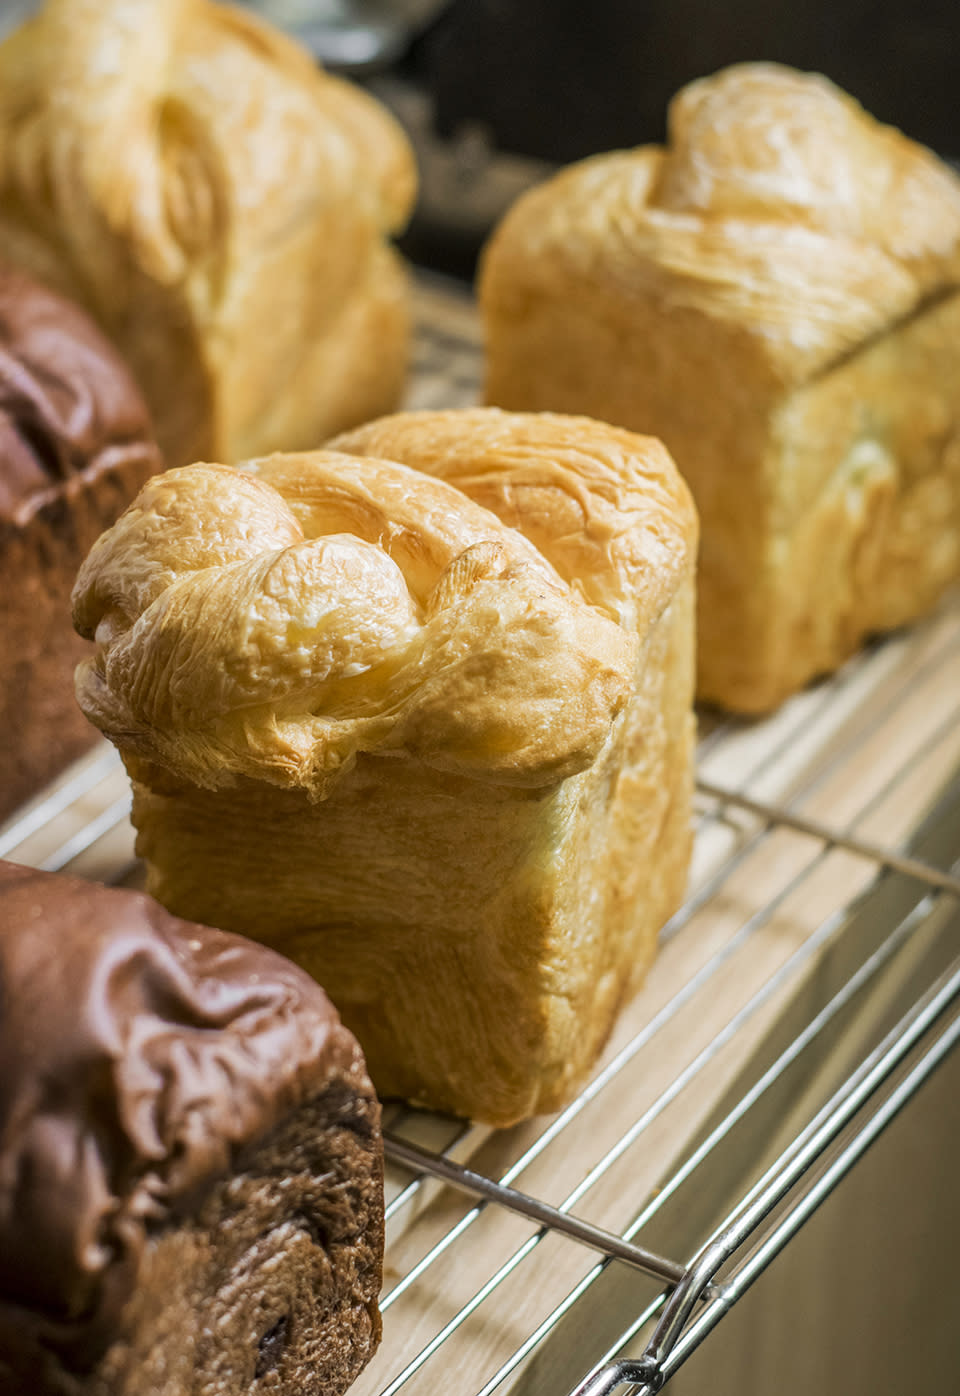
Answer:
(417, 711)
(775, 295)
(221, 206)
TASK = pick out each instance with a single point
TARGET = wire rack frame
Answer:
(745, 1224)
(754, 792)
(681, 1326)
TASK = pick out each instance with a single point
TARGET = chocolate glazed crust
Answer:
(39, 561)
(191, 1176)
(75, 446)
(270, 1287)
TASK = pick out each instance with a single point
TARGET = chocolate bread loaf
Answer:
(191, 1177)
(75, 446)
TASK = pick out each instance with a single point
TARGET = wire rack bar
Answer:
(61, 798)
(407, 1194)
(478, 1185)
(806, 1149)
(853, 1150)
(85, 838)
(670, 1346)
(791, 1054)
(889, 858)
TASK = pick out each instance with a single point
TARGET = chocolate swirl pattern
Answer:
(222, 208)
(158, 1079)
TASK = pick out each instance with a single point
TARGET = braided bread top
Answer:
(217, 202)
(277, 619)
(778, 205)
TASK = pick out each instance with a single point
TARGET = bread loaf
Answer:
(191, 1174)
(416, 710)
(75, 446)
(775, 294)
(220, 205)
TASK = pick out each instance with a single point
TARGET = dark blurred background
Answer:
(560, 79)
(495, 93)
(555, 80)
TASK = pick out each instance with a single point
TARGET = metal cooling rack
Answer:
(803, 993)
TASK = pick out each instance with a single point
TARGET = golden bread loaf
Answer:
(774, 294)
(222, 208)
(416, 710)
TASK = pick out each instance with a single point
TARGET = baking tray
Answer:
(801, 996)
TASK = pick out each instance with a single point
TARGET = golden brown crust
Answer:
(478, 939)
(276, 620)
(220, 205)
(606, 509)
(772, 294)
(779, 207)
(452, 770)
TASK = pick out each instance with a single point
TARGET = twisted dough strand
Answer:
(778, 206)
(276, 620)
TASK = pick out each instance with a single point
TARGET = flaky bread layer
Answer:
(221, 206)
(478, 939)
(773, 294)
